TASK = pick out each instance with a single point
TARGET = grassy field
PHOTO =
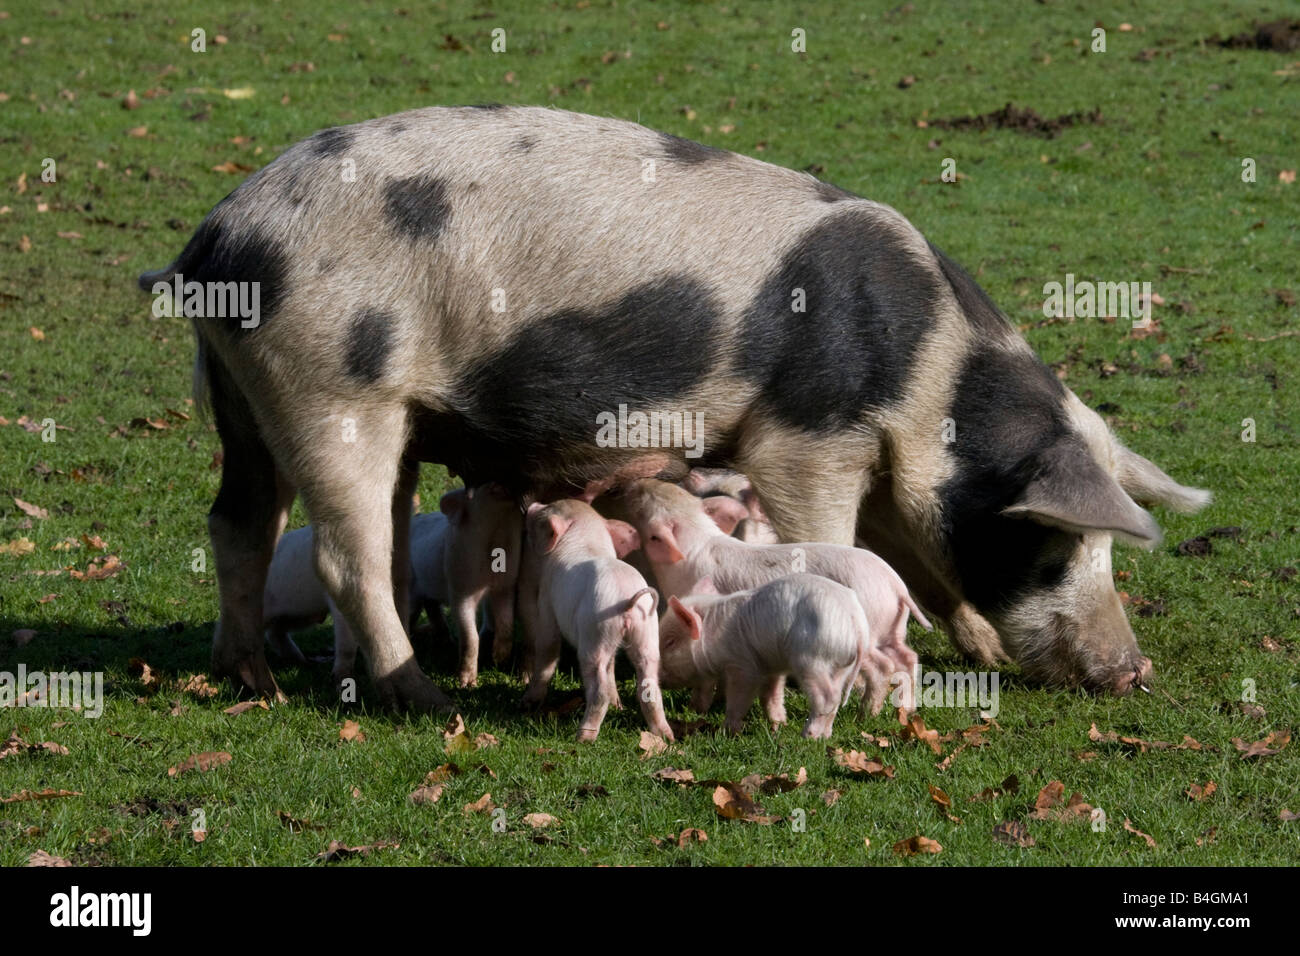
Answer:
(1151, 191)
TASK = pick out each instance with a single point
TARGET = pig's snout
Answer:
(1139, 676)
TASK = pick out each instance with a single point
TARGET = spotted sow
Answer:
(481, 287)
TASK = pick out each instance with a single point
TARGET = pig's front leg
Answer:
(463, 611)
(741, 688)
(824, 695)
(345, 646)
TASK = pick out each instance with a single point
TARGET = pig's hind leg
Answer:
(774, 700)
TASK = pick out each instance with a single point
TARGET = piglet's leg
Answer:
(502, 602)
(702, 696)
(824, 695)
(596, 685)
(545, 657)
(466, 627)
(742, 688)
(774, 700)
(643, 651)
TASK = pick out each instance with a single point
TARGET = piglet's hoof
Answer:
(249, 674)
(408, 688)
(467, 678)
(586, 735)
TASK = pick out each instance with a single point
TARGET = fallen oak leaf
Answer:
(689, 834)
(1012, 833)
(832, 797)
(772, 783)
(201, 762)
(137, 667)
(427, 793)
(732, 803)
(1132, 829)
(244, 706)
(31, 510)
(944, 801)
(673, 775)
(1286, 816)
(540, 820)
(483, 804)
(41, 858)
(917, 844)
(858, 762)
(351, 730)
(1201, 793)
(24, 795)
(295, 825)
(197, 684)
(651, 745)
(916, 729)
(1265, 747)
(1047, 805)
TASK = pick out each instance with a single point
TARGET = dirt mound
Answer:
(1280, 35)
(1024, 120)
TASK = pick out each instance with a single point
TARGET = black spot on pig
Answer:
(485, 106)
(979, 309)
(395, 129)
(688, 151)
(1009, 420)
(523, 410)
(332, 142)
(369, 343)
(417, 207)
(220, 253)
(867, 304)
(524, 144)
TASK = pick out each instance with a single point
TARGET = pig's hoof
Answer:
(408, 688)
(586, 735)
(466, 679)
(665, 732)
(249, 673)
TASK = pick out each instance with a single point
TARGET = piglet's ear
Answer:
(661, 543)
(726, 512)
(626, 540)
(688, 617)
(453, 503)
(550, 531)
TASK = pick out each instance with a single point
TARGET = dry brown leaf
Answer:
(1286, 816)
(1286, 176)
(650, 744)
(197, 685)
(455, 728)
(1047, 806)
(758, 783)
(540, 820)
(944, 801)
(95, 571)
(351, 730)
(16, 745)
(1012, 833)
(41, 858)
(1200, 793)
(689, 834)
(18, 546)
(483, 804)
(732, 803)
(94, 541)
(442, 773)
(24, 795)
(35, 511)
(427, 794)
(130, 101)
(244, 706)
(1274, 743)
(1132, 829)
(917, 844)
(673, 775)
(229, 166)
(201, 762)
(832, 797)
(915, 729)
(858, 762)
(137, 667)
(138, 132)
(485, 740)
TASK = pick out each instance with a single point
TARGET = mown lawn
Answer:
(1151, 192)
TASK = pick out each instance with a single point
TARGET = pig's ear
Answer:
(725, 511)
(1071, 491)
(626, 540)
(551, 531)
(1148, 485)
(690, 620)
(704, 585)
(660, 544)
(453, 503)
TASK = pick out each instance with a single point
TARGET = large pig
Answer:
(545, 299)
(685, 546)
(584, 593)
(801, 624)
(482, 563)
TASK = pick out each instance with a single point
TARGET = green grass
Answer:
(1157, 184)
